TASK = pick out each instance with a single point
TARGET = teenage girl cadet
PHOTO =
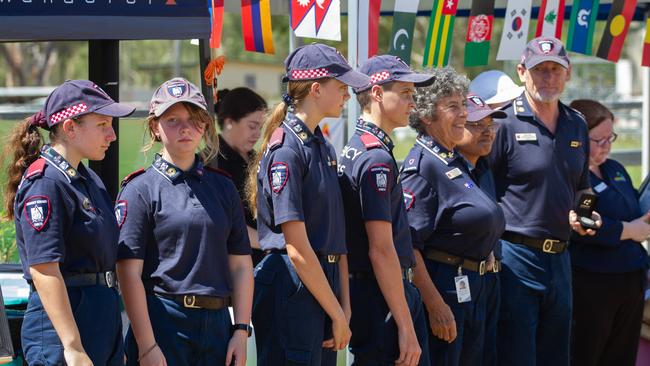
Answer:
(184, 254)
(301, 285)
(65, 229)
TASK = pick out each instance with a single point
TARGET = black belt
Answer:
(107, 279)
(454, 260)
(198, 301)
(407, 274)
(552, 246)
(331, 258)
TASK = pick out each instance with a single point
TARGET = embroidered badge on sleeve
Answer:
(37, 211)
(120, 212)
(279, 176)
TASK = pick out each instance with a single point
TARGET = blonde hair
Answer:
(298, 91)
(202, 119)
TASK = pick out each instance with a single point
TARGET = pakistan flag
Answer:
(403, 25)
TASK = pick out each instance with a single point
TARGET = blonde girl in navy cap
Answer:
(65, 229)
(301, 302)
(184, 254)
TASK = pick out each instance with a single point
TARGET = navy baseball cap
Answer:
(477, 109)
(542, 49)
(386, 68)
(174, 91)
(317, 61)
(75, 98)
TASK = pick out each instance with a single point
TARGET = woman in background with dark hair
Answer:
(609, 267)
(240, 113)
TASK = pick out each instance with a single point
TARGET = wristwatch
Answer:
(246, 327)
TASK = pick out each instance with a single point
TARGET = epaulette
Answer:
(411, 163)
(35, 169)
(217, 170)
(277, 138)
(370, 141)
(130, 177)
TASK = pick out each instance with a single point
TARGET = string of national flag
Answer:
(321, 19)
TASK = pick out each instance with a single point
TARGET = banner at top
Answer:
(103, 19)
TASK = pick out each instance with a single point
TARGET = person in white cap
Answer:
(495, 87)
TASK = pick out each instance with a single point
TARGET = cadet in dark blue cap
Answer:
(388, 322)
(540, 161)
(65, 229)
(184, 254)
(301, 302)
(480, 130)
(454, 222)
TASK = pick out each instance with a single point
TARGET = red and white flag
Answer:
(316, 19)
(367, 28)
(551, 18)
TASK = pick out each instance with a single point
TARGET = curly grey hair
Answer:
(446, 82)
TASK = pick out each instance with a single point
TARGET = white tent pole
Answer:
(353, 43)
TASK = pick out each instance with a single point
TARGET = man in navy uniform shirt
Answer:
(387, 314)
(540, 162)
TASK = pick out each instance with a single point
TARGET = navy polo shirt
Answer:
(446, 209)
(297, 181)
(483, 175)
(537, 173)
(64, 215)
(618, 201)
(371, 190)
(183, 225)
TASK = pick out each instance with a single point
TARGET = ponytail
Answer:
(23, 145)
(297, 91)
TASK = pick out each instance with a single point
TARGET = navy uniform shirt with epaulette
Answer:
(446, 209)
(618, 201)
(483, 176)
(537, 173)
(297, 181)
(371, 190)
(183, 224)
(64, 215)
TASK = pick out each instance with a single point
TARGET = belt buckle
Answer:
(110, 279)
(482, 267)
(547, 247)
(409, 275)
(331, 258)
(189, 301)
(496, 267)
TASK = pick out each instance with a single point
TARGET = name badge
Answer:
(454, 173)
(462, 289)
(600, 187)
(526, 136)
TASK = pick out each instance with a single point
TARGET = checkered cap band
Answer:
(309, 74)
(68, 113)
(380, 76)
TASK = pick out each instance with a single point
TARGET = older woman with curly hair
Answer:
(454, 223)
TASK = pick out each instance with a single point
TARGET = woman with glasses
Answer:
(452, 220)
(609, 267)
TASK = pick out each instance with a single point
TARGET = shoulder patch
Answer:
(219, 171)
(380, 176)
(130, 177)
(370, 141)
(409, 199)
(120, 212)
(36, 169)
(277, 138)
(37, 211)
(278, 177)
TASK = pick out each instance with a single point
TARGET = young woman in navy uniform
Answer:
(184, 254)
(65, 229)
(609, 268)
(451, 218)
(301, 285)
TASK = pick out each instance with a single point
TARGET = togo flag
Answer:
(551, 17)
(582, 25)
(479, 32)
(441, 28)
(618, 23)
(401, 38)
(367, 26)
(515, 30)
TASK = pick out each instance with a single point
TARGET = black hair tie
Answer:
(287, 99)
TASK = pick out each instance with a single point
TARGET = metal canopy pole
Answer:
(204, 59)
(104, 70)
(353, 46)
